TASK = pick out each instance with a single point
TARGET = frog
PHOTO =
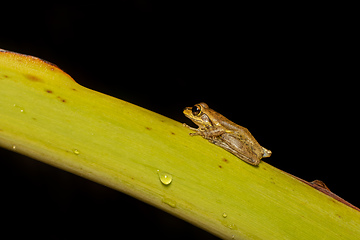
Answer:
(224, 133)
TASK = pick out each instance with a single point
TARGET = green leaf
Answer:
(46, 115)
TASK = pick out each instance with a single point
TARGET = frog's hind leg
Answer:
(267, 153)
(221, 143)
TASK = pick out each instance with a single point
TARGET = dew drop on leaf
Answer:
(165, 178)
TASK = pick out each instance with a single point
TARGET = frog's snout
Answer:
(187, 111)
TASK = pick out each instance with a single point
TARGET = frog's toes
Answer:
(267, 153)
(191, 128)
(185, 125)
(197, 133)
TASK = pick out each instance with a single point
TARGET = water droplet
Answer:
(229, 225)
(77, 152)
(232, 226)
(20, 108)
(14, 147)
(165, 178)
(169, 201)
(224, 215)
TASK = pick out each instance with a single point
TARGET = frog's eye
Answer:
(195, 110)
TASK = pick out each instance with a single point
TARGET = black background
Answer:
(282, 71)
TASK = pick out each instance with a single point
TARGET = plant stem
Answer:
(46, 115)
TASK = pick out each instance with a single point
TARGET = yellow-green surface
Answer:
(46, 115)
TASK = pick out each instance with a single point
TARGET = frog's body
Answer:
(221, 131)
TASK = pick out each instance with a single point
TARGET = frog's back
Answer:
(243, 134)
(230, 125)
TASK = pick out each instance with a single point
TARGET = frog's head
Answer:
(199, 114)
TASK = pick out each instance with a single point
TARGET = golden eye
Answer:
(195, 110)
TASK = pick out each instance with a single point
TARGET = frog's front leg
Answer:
(191, 128)
(198, 131)
(207, 133)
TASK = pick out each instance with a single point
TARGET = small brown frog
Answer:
(226, 134)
